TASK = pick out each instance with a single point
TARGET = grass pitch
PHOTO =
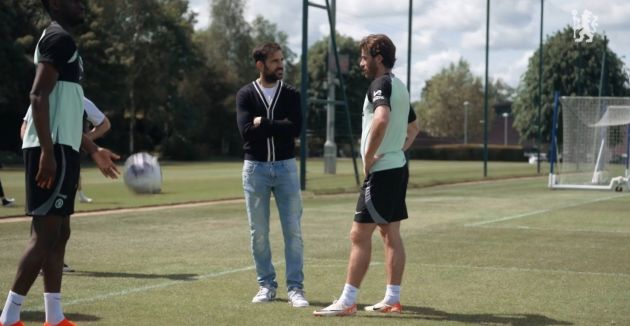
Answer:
(507, 252)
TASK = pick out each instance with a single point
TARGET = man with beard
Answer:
(52, 139)
(387, 124)
(269, 118)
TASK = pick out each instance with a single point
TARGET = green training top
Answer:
(57, 47)
(390, 91)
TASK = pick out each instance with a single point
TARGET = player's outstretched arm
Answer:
(103, 157)
(99, 130)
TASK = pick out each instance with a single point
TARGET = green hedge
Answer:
(471, 152)
(12, 158)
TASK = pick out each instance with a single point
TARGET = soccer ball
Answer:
(143, 174)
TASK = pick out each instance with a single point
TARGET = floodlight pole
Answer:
(485, 95)
(342, 86)
(602, 74)
(304, 94)
(330, 147)
(540, 79)
(505, 120)
(466, 122)
(409, 48)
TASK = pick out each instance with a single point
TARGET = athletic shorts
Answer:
(382, 197)
(58, 200)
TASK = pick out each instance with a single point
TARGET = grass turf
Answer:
(503, 252)
(192, 182)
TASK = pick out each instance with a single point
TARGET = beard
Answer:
(76, 21)
(272, 76)
(370, 71)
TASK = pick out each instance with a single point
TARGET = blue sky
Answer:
(444, 31)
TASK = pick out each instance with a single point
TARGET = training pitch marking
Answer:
(542, 211)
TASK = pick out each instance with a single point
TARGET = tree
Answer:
(355, 83)
(572, 68)
(136, 54)
(441, 108)
(502, 91)
(20, 28)
(228, 42)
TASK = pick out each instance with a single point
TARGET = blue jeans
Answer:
(260, 179)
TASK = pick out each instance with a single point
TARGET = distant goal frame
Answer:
(595, 165)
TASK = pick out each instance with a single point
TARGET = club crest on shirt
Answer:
(377, 95)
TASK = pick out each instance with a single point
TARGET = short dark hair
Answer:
(262, 51)
(376, 44)
(46, 5)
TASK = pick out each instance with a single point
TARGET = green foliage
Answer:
(473, 152)
(19, 29)
(533, 250)
(441, 109)
(355, 83)
(164, 86)
(140, 50)
(226, 47)
(572, 68)
(229, 42)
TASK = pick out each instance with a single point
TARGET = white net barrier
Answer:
(594, 141)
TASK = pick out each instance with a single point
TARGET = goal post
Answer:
(590, 143)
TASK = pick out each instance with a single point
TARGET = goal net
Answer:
(590, 143)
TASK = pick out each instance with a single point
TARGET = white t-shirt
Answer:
(269, 92)
(94, 115)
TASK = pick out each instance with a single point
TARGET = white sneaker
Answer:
(265, 294)
(385, 308)
(297, 299)
(83, 198)
(336, 309)
(67, 269)
(8, 202)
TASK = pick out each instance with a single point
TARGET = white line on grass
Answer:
(156, 286)
(522, 270)
(524, 227)
(513, 217)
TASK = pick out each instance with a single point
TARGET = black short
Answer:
(59, 200)
(382, 197)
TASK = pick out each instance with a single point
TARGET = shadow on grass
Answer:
(430, 314)
(40, 316)
(174, 277)
(493, 319)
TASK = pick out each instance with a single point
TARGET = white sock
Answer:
(392, 294)
(52, 304)
(349, 295)
(11, 312)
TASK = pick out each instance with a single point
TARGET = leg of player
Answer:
(82, 197)
(53, 271)
(289, 202)
(360, 256)
(6, 202)
(257, 188)
(394, 267)
(46, 236)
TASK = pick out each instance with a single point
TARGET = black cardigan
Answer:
(274, 138)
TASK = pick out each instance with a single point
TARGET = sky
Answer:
(443, 31)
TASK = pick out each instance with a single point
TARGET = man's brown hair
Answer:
(262, 51)
(376, 44)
